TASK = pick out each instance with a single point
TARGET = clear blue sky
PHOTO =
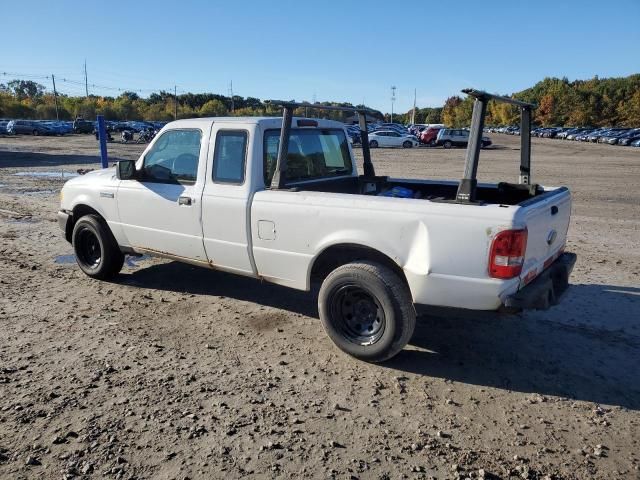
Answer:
(336, 50)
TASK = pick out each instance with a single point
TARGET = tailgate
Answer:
(547, 220)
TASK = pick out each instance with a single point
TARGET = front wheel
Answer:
(447, 144)
(407, 144)
(373, 144)
(97, 252)
(367, 310)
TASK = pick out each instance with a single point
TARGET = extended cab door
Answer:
(160, 210)
(226, 198)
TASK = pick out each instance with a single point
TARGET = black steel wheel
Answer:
(97, 252)
(367, 310)
(361, 315)
(88, 248)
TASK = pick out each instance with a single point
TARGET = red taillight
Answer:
(507, 253)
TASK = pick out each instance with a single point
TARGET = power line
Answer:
(83, 84)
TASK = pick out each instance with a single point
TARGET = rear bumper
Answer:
(547, 288)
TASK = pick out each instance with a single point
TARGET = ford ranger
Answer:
(281, 200)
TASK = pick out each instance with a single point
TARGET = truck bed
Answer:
(434, 190)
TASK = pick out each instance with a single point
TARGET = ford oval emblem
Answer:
(551, 237)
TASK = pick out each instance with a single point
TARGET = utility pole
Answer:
(86, 84)
(55, 95)
(175, 102)
(393, 99)
(413, 113)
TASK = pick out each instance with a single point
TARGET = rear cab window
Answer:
(313, 153)
(230, 156)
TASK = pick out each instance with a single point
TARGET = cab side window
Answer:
(230, 156)
(173, 157)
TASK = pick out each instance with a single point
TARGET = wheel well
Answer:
(337, 255)
(79, 211)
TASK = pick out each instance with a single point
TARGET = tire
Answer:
(447, 144)
(407, 144)
(432, 143)
(34, 133)
(97, 252)
(385, 317)
(373, 144)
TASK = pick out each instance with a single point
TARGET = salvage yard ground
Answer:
(178, 372)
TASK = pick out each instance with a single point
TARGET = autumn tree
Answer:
(449, 111)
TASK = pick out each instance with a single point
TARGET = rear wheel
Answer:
(373, 144)
(34, 132)
(367, 310)
(447, 144)
(407, 144)
(97, 252)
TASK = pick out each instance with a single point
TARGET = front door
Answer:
(160, 210)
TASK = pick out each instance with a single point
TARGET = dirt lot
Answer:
(178, 372)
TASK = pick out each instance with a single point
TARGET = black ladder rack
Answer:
(468, 184)
(278, 181)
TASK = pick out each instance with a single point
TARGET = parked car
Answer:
(28, 127)
(593, 137)
(391, 138)
(571, 134)
(429, 136)
(398, 130)
(610, 134)
(630, 137)
(584, 136)
(212, 193)
(59, 128)
(417, 128)
(3, 127)
(80, 125)
(635, 143)
(457, 137)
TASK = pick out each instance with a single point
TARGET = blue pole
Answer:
(102, 136)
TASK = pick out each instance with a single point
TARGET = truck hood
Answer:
(94, 177)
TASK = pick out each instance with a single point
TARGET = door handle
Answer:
(554, 210)
(185, 201)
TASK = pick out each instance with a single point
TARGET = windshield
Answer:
(313, 153)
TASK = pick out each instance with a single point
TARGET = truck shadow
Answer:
(201, 281)
(587, 348)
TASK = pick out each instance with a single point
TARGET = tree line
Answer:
(598, 102)
(29, 100)
(595, 102)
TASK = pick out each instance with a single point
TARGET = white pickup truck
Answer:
(280, 199)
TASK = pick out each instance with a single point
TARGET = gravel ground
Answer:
(178, 372)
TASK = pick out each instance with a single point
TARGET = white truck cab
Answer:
(280, 199)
